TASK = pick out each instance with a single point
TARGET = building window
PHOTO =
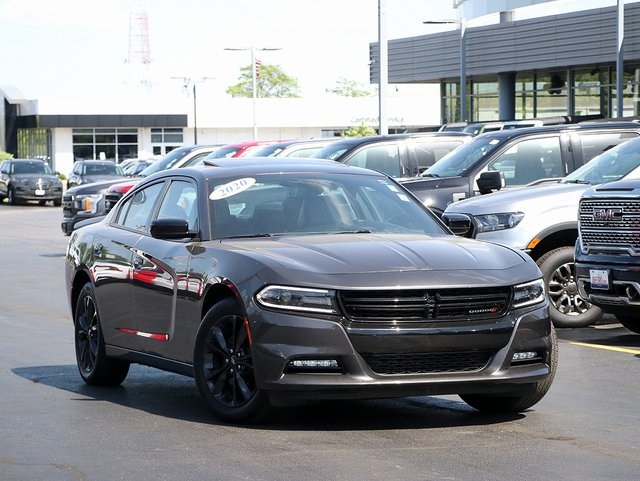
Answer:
(165, 139)
(35, 144)
(109, 144)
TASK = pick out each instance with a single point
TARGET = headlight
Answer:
(87, 203)
(493, 222)
(298, 299)
(529, 293)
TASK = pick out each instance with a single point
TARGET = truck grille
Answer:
(390, 307)
(428, 363)
(609, 226)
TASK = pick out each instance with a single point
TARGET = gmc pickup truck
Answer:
(607, 252)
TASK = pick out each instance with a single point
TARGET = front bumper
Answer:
(384, 363)
(622, 293)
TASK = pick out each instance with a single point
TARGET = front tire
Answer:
(517, 403)
(223, 365)
(11, 196)
(567, 308)
(95, 367)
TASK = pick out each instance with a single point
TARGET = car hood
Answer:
(413, 258)
(94, 187)
(524, 200)
(90, 179)
(35, 176)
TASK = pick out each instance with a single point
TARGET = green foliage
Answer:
(359, 131)
(272, 82)
(349, 88)
(5, 155)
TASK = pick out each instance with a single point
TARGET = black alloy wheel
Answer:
(223, 365)
(94, 365)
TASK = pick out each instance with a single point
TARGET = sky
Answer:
(67, 48)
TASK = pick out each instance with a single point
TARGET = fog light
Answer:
(313, 365)
(525, 356)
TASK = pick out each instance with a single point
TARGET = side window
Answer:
(530, 160)
(135, 212)
(4, 168)
(596, 143)
(383, 158)
(180, 203)
(77, 168)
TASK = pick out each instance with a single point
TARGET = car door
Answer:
(115, 266)
(160, 273)
(4, 178)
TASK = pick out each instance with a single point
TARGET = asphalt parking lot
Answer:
(154, 427)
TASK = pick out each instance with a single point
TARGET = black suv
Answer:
(397, 155)
(29, 179)
(90, 171)
(515, 158)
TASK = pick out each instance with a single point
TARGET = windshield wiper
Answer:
(359, 231)
(576, 181)
(430, 175)
(248, 236)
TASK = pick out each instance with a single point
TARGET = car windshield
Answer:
(165, 162)
(31, 168)
(609, 166)
(332, 151)
(456, 162)
(224, 152)
(298, 204)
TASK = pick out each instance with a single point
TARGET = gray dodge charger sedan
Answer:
(292, 280)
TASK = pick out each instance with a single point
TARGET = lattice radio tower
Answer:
(139, 57)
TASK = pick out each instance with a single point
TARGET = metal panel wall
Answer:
(586, 38)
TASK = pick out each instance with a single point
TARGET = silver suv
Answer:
(543, 221)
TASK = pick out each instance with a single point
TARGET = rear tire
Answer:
(567, 308)
(517, 403)
(223, 365)
(95, 367)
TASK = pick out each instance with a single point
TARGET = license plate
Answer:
(40, 191)
(599, 279)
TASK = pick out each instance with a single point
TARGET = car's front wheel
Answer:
(11, 196)
(95, 366)
(568, 309)
(517, 403)
(223, 365)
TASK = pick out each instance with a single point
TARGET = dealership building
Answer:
(549, 66)
(553, 65)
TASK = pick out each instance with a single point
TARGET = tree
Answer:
(271, 82)
(349, 88)
(359, 131)
(5, 155)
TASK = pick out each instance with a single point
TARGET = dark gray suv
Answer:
(24, 180)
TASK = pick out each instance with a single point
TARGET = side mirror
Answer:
(171, 229)
(490, 181)
(459, 224)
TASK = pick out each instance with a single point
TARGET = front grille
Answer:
(390, 307)
(428, 363)
(618, 231)
(110, 200)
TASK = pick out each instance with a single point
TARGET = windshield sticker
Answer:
(494, 142)
(403, 197)
(231, 188)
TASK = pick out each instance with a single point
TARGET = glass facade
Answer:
(105, 143)
(580, 92)
(164, 140)
(35, 144)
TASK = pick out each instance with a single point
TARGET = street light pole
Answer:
(188, 81)
(463, 61)
(254, 82)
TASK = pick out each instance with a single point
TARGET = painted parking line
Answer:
(607, 348)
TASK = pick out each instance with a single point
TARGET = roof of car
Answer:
(391, 137)
(229, 167)
(509, 133)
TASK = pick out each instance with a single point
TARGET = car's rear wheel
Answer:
(567, 308)
(517, 403)
(95, 366)
(223, 365)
